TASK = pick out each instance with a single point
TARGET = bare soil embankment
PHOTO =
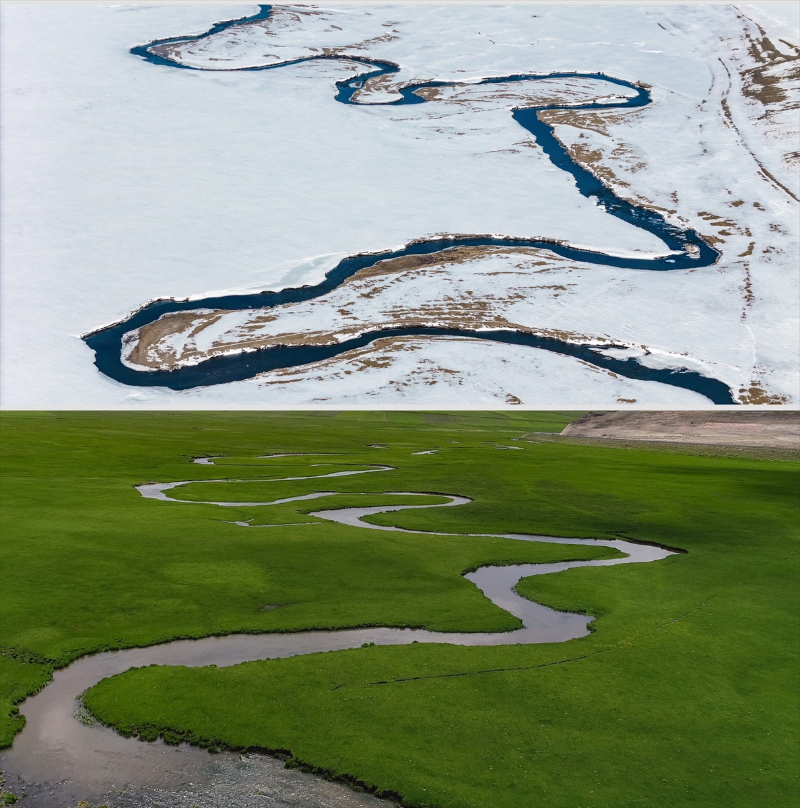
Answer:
(765, 429)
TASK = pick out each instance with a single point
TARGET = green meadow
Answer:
(685, 693)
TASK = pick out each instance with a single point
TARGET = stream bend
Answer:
(685, 249)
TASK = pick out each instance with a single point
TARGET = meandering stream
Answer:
(684, 249)
(60, 759)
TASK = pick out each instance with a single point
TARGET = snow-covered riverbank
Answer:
(145, 182)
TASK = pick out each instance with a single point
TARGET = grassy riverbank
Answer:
(684, 695)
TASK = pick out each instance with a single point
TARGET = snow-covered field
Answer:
(125, 181)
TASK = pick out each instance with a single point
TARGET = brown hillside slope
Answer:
(774, 429)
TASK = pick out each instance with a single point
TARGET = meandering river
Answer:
(62, 756)
(684, 248)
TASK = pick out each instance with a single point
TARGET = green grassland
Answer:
(89, 564)
(685, 693)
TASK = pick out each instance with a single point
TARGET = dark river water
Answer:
(684, 248)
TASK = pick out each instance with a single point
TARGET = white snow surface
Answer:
(125, 182)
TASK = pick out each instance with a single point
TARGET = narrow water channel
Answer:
(61, 757)
(684, 249)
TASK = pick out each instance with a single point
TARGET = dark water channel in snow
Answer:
(685, 249)
(59, 759)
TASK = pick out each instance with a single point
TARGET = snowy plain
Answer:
(125, 182)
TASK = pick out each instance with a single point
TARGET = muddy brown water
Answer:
(62, 757)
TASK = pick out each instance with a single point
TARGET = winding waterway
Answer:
(59, 759)
(684, 249)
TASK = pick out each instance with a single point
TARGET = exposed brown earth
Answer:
(771, 429)
(150, 336)
(773, 78)
(447, 257)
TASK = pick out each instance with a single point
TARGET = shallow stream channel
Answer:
(64, 756)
